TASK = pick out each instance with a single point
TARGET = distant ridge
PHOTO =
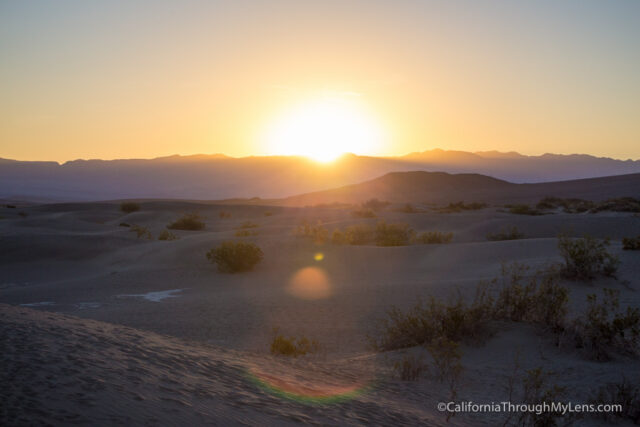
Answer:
(216, 176)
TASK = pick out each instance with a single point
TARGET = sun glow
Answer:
(323, 130)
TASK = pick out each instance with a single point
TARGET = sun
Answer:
(323, 130)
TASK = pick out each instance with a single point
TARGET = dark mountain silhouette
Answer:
(209, 177)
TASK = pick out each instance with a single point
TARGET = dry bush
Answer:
(521, 209)
(511, 233)
(358, 234)
(460, 207)
(624, 393)
(248, 224)
(141, 232)
(447, 367)
(433, 237)
(128, 207)
(245, 233)
(124, 224)
(408, 208)
(586, 257)
(393, 234)
(410, 368)
(631, 243)
(605, 329)
(317, 233)
(224, 214)
(235, 257)
(363, 213)
(293, 347)
(620, 204)
(375, 204)
(189, 221)
(337, 237)
(268, 213)
(536, 390)
(167, 235)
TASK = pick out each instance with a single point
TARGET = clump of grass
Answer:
(141, 232)
(190, 221)
(375, 204)
(631, 243)
(224, 214)
(235, 257)
(393, 234)
(128, 207)
(317, 233)
(363, 213)
(460, 207)
(433, 237)
(410, 368)
(605, 329)
(291, 346)
(511, 233)
(167, 235)
(522, 209)
(586, 257)
(359, 234)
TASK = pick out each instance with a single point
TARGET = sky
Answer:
(141, 79)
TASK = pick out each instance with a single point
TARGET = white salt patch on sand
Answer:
(38, 304)
(155, 296)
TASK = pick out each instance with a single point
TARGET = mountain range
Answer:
(214, 177)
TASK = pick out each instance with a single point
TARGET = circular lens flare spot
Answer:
(319, 256)
(310, 283)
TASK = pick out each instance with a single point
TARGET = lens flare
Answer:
(319, 256)
(310, 283)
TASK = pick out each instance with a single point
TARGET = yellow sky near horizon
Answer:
(146, 79)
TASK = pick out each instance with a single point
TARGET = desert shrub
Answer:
(235, 257)
(23, 214)
(124, 224)
(536, 390)
(521, 209)
(410, 368)
(245, 233)
(268, 213)
(461, 206)
(393, 234)
(535, 298)
(294, 347)
(10, 206)
(511, 233)
(631, 243)
(363, 213)
(570, 205)
(141, 232)
(189, 221)
(128, 207)
(586, 257)
(621, 204)
(358, 234)
(317, 233)
(605, 329)
(427, 321)
(408, 208)
(375, 204)
(625, 394)
(248, 224)
(446, 363)
(433, 237)
(167, 235)
(337, 237)
(224, 214)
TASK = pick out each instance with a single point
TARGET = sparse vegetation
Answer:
(521, 209)
(23, 214)
(129, 207)
(268, 213)
(620, 204)
(626, 394)
(410, 368)
(604, 328)
(167, 235)
(246, 233)
(433, 237)
(363, 213)
(393, 234)
(358, 234)
(586, 257)
(141, 232)
(10, 206)
(189, 221)
(293, 347)
(511, 233)
(631, 243)
(224, 214)
(248, 224)
(460, 207)
(574, 205)
(536, 390)
(317, 233)
(375, 204)
(408, 208)
(235, 257)
(124, 224)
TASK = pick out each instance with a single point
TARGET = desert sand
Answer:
(101, 327)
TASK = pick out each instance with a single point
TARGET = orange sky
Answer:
(145, 79)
